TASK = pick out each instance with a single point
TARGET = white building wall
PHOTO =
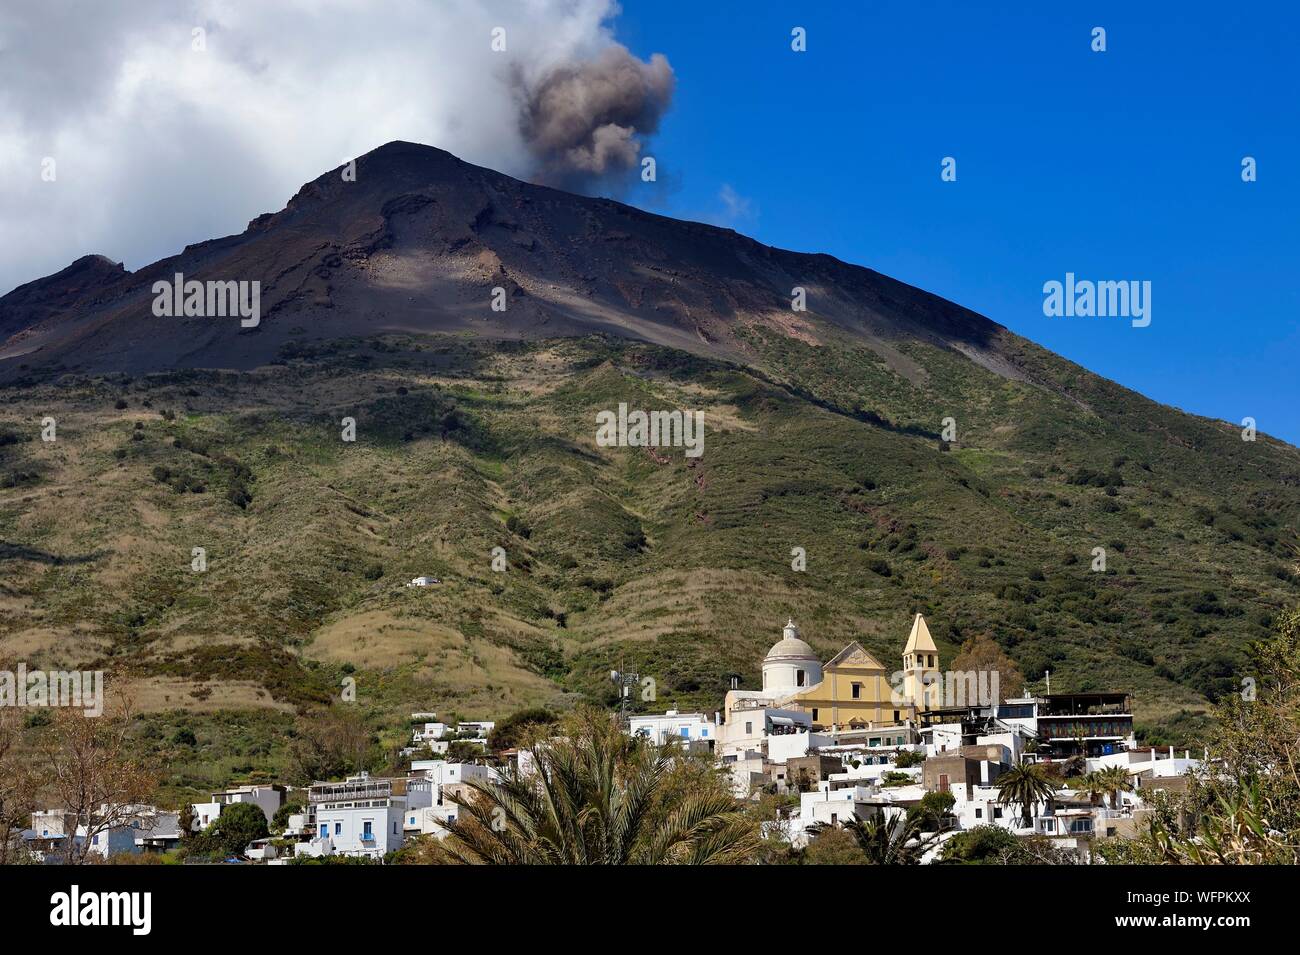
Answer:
(346, 830)
(680, 727)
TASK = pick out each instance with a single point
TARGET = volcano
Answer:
(413, 240)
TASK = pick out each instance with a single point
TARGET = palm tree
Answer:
(1114, 780)
(598, 797)
(1091, 783)
(896, 840)
(1025, 785)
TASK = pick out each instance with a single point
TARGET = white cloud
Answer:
(158, 145)
(736, 205)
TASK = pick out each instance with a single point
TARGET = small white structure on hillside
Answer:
(423, 581)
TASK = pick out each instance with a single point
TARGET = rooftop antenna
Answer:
(624, 681)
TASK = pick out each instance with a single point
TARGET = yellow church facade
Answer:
(855, 690)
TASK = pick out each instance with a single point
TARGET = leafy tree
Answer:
(993, 845)
(517, 727)
(907, 758)
(1247, 811)
(237, 826)
(933, 809)
(982, 653)
(281, 818)
(463, 751)
(18, 786)
(977, 846)
(833, 846)
(90, 773)
(332, 742)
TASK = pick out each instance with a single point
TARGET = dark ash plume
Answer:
(583, 121)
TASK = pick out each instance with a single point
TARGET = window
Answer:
(798, 677)
(835, 818)
(979, 813)
(857, 691)
(997, 812)
(686, 732)
(338, 828)
(931, 659)
(814, 715)
(895, 716)
(368, 830)
(749, 729)
(324, 830)
(412, 820)
(705, 732)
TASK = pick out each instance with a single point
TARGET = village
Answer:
(836, 742)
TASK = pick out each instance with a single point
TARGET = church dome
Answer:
(791, 664)
(791, 647)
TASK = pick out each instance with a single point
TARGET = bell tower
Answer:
(920, 658)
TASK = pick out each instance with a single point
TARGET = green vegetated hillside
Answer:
(617, 557)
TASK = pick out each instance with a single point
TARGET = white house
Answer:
(141, 828)
(444, 779)
(423, 581)
(750, 724)
(834, 807)
(441, 773)
(438, 736)
(362, 816)
(428, 732)
(679, 727)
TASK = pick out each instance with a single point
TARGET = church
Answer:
(851, 691)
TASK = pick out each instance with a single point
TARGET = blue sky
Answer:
(1117, 165)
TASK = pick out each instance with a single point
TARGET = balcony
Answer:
(356, 791)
